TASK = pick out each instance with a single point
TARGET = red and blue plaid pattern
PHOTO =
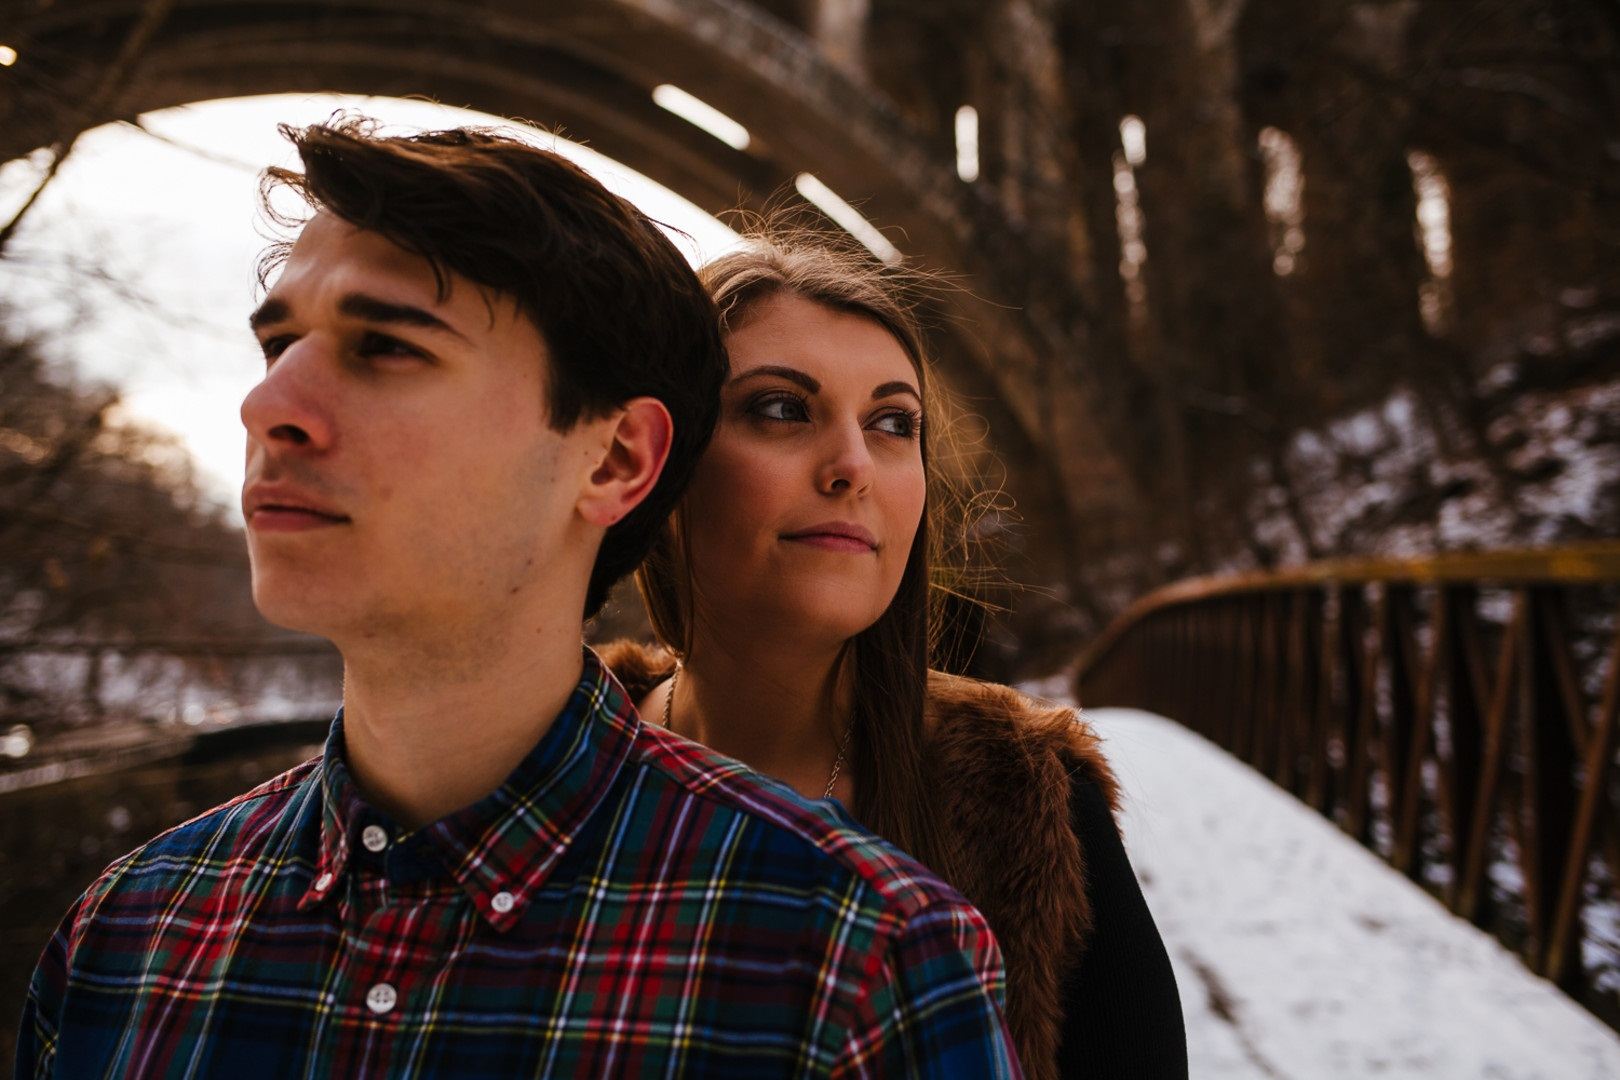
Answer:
(627, 903)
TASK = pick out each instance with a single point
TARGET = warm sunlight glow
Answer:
(1434, 233)
(967, 143)
(701, 114)
(1133, 137)
(848, 218)
(1128, 220)
(1284, 199)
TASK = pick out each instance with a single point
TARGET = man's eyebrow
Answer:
(372, 309)
(271, 311)
(361, 306)
(781, 372)
(896, 387)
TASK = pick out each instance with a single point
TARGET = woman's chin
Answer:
(833, 618)
(813, 610)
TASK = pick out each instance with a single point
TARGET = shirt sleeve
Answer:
(933, 1008)
(39, 1033)
(42, 1008)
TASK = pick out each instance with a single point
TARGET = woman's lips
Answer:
(843, 536)
(832, 542)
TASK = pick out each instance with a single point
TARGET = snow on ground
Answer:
(1301, 955)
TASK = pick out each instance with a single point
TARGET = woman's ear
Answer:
(638, 436)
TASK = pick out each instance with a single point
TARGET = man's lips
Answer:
(835, 536)
(290, 519)
(278, 509)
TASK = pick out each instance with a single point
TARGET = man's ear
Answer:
(638, 438)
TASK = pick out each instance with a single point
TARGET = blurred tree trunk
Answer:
(1523, 109)
(1007, 63)
(1213, 313)
(1147, 436)
(1354, 290)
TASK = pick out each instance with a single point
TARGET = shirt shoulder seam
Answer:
(102, 887)
(905, 893)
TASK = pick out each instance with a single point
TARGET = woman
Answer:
(793, 584)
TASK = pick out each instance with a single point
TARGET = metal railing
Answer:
(1456, 714)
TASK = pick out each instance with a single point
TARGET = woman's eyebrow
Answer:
(896, 387)
(781, 372)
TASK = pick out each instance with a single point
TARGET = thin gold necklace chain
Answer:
(838, 762)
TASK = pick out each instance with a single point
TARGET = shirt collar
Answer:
(501, 848)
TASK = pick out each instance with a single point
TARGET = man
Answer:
(487, 380)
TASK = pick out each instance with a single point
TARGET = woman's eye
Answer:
(903, 424)
(781, 408)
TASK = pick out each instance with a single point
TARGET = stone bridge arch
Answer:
(588, 67)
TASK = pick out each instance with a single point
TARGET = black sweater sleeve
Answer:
(1121, 1010)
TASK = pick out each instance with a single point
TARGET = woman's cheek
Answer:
(736, 464)
(910, 500)
(730, 504)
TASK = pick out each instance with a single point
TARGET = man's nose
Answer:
(848, 465)
(291, 406)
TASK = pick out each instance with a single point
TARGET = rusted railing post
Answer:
(1409, 680)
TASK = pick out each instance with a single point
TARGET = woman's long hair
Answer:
(891, 657)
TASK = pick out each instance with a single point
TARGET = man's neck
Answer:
(429, 730)
(780, 706)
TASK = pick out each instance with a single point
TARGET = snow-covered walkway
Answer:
(1301, 955)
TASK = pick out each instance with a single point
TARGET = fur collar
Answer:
(1006, 764)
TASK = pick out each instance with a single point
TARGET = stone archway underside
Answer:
(587, 68)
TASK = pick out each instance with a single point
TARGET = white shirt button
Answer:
(323, 882)
(502, 902)
(374, 837)
(381, 998)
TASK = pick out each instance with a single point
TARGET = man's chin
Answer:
(304, 609)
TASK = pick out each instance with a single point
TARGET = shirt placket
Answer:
(396, 921)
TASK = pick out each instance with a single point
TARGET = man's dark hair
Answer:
(621, 312)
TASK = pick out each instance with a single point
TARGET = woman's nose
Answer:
(288, 408)
(848, 465)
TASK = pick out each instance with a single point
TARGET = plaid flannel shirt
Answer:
(626, 903)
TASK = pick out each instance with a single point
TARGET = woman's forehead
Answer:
(831, 345)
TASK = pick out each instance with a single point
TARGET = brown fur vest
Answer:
(1010, 763)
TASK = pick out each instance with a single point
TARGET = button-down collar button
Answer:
(374, 837)
(502, 902)
(323, 883)
(381, 998)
